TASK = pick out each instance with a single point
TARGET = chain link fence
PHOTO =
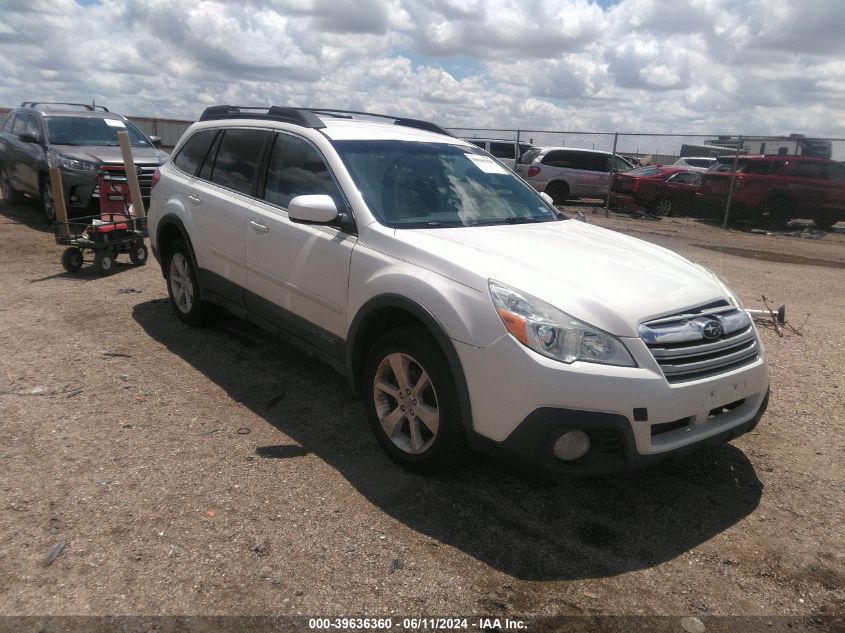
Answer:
(754, 180)
(727, 178)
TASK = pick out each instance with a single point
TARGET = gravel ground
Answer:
(218, 471)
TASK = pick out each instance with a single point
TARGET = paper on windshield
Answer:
(114, 123)
(486, 164)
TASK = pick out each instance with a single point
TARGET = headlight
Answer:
(73, 164)
(552, 332)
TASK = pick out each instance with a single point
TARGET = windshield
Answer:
(77, 130)
(410, 185)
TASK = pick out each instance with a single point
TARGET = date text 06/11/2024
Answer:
(417, 624)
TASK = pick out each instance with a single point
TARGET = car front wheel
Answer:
(412, 404)
(47, 201)
(663, 207)
(10, 195)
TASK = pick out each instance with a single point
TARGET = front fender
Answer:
(463, 313)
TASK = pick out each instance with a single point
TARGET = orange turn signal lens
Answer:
(515, 324)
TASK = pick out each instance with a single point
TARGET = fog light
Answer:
(572, 445)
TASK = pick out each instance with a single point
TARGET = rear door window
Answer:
(8, 123)
(193, 151)
(237, 159)
(560, 158)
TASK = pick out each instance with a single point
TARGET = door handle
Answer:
(258, 227)
(194, 199)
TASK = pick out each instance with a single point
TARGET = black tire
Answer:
(72, 259)
(47, 203)
(663, 207)
(195, 311)
(777, 212)
(440, 450)
(9, 193)
(104, 262)
(138, 253)
(559, 191)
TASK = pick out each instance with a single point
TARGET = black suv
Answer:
(81, 140)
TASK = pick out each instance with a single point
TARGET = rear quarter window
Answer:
(503, 150)
(193, 151)
(529, 156)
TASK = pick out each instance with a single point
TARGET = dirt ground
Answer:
(219, 471)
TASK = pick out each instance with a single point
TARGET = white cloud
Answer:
(760, 66)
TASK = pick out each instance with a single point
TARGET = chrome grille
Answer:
(683, 352)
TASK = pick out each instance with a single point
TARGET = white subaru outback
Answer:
(463, 308)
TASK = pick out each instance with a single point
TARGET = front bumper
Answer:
(629, 202)
(521, 402)
(78, 189)
(612, 443)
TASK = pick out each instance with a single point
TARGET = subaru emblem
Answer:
(711, 328)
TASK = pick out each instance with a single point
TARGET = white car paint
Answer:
(611, 281)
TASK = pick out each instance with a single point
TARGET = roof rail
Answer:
(414, 123)
(308, 117)
(298, 116)
(88, 106)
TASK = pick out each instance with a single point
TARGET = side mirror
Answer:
(547, 198)
(30, 137)
(312, 209)
(156, 141)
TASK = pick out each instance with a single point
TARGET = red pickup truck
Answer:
(772, 190)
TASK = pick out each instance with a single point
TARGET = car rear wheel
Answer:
(413, 405)
(183, 286)
(663, 207)
(559, 191)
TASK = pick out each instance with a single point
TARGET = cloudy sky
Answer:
(726, 66)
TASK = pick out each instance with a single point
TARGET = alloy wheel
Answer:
(406, 403)
(48, 202)
(181, 283)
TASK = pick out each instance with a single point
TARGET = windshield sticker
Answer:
(486, 164)
(114, 123)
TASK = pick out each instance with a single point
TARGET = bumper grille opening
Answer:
(714, 413)
(665, 427)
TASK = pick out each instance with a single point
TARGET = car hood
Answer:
(605, 278)
(108, 154)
